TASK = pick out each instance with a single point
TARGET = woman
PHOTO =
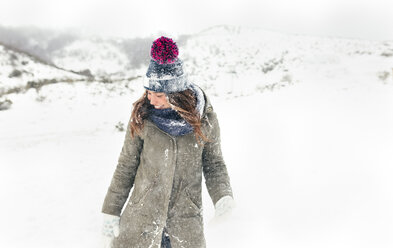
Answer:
(172, 138)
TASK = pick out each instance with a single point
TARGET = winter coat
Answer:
(166, 175)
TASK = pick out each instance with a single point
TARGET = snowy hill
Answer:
(306, 129)
(99, 56)
(102, 58)
(20, 71)
(257, 58)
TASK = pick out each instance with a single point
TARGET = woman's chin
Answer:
(160, 107)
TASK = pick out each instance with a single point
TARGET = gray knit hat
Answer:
(165, 72)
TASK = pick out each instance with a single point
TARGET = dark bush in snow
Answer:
(383, 75)
(5, 104)
(15, 73)
(87, 73)
(120, 126)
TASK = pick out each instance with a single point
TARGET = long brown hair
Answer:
(184, 102)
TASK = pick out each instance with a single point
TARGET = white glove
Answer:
(110, 229)
(224, 208)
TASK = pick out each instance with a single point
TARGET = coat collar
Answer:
(208, 107)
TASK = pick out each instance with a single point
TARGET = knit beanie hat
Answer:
(165, 72)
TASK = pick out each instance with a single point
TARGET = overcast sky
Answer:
(372, 19)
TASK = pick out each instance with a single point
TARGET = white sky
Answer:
(351, 18)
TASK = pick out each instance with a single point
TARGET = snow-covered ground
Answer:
(310, 162)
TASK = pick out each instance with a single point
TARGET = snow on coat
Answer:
(166, 175)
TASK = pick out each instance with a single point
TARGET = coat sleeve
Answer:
(124, 175)
(214, 168)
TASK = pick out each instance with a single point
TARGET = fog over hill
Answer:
(246, 59)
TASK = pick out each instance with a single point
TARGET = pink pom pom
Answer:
(164, 50)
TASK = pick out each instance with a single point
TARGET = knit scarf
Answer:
(170, 121)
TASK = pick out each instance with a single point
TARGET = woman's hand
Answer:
(110, 229)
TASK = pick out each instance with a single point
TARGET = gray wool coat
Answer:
(165, 173)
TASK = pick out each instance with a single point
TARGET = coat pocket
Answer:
(191, 199)
(138, 198)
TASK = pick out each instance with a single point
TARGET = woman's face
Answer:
(158, 99)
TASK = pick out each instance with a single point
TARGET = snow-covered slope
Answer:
(258, 58)
(18, 70)
(250, 59)
(101, 57)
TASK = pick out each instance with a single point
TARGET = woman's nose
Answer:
(153, 100)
